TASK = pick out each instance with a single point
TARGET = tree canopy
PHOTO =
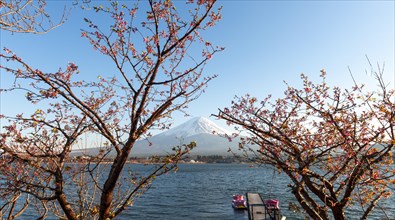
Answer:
(156, 75)
(334, 144)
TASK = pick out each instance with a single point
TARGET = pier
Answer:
(257, 210)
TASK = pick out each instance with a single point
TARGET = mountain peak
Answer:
(194, 126)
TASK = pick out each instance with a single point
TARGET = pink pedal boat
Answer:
(239, 202)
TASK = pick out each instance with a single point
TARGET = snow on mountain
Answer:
(197, 125)
(207, 135)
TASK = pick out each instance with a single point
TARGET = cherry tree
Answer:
(28, 16)
(334, 145)
(158, 72)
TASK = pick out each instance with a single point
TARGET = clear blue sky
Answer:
(267, 42)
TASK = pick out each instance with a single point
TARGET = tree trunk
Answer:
(112, 179)
(66, 206)
(61, 197)
(304, 202)
(338, 213)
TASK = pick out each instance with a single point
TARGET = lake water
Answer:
(204, 191)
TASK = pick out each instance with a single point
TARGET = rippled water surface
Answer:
(204, 191)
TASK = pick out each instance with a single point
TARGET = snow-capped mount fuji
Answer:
(208, 136)
(197, 125)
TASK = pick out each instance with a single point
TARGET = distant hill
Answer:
(207, 135)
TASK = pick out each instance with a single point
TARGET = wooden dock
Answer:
(257, 209)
